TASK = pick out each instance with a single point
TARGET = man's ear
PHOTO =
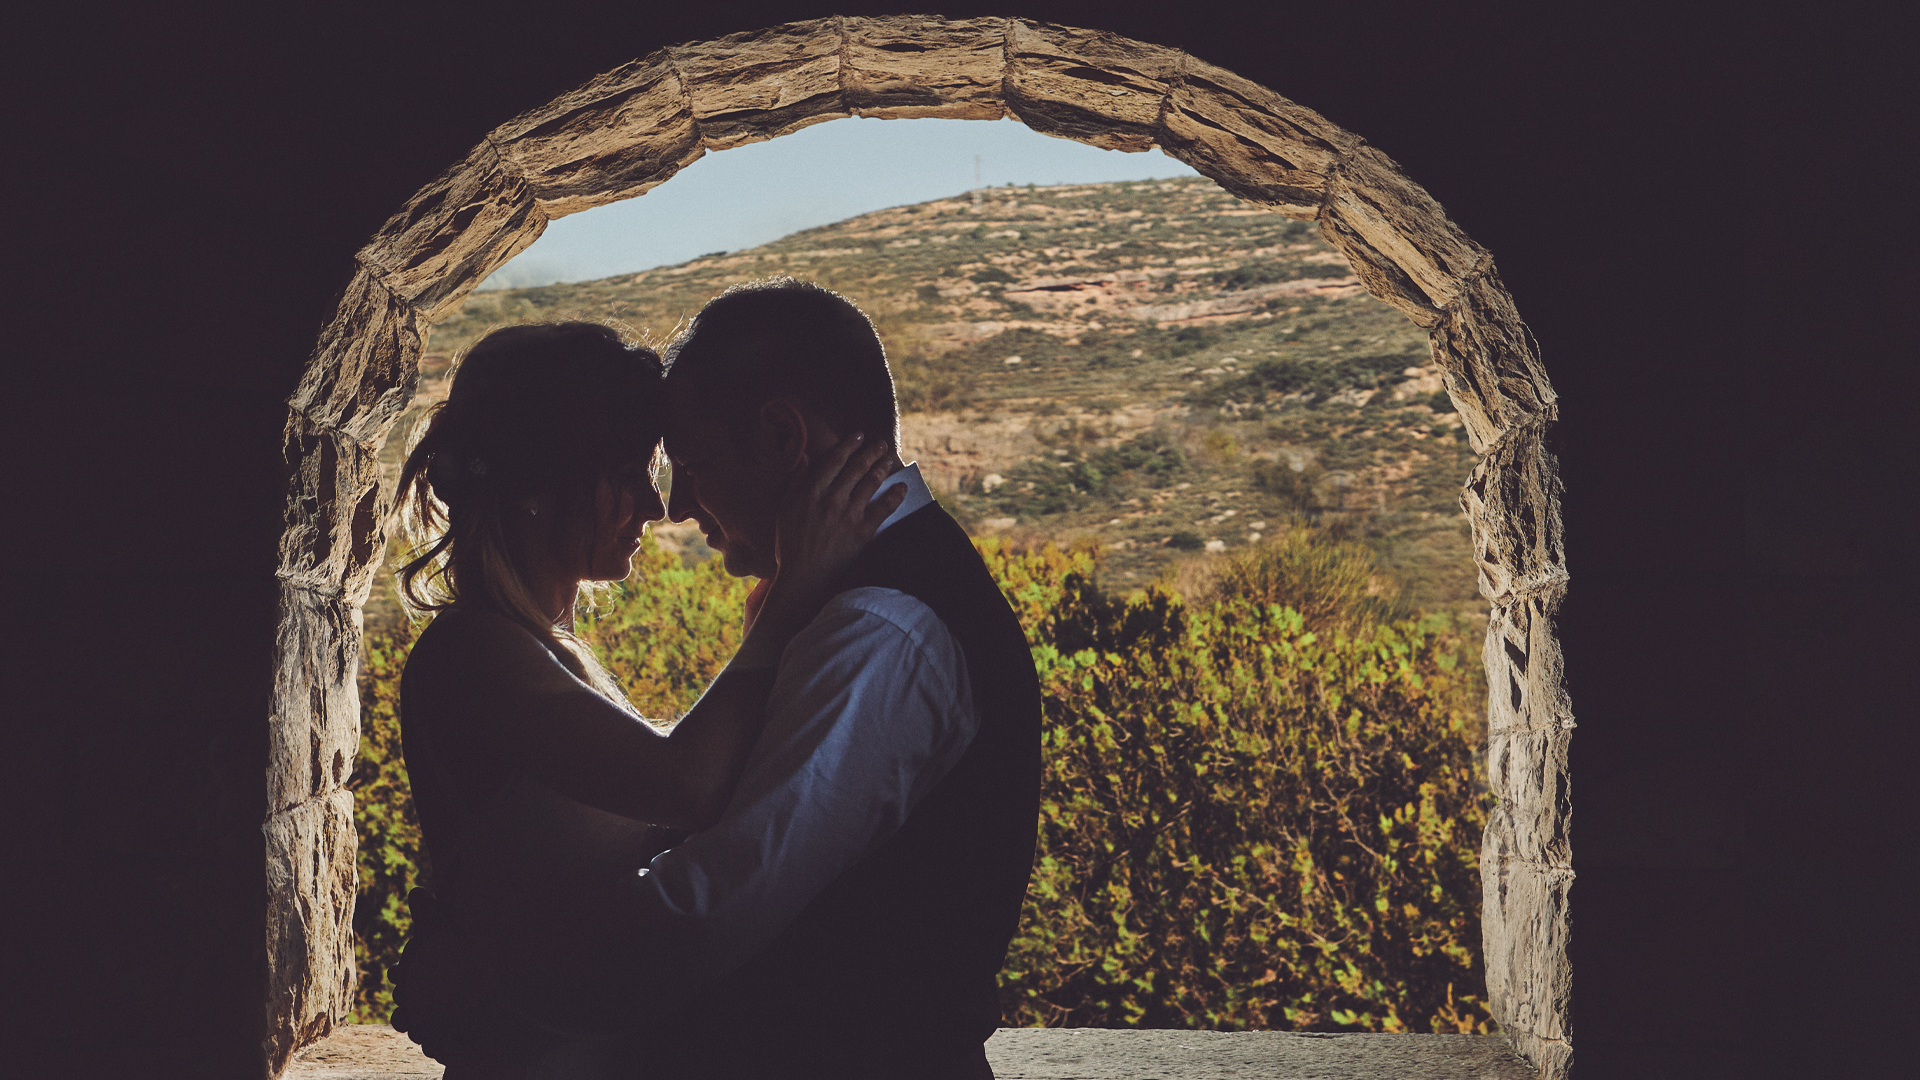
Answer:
(785, 427)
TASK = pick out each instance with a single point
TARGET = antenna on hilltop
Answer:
(976, 179)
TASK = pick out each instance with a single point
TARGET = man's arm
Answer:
(870, 710)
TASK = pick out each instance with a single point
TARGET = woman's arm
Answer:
(539, 716)
(580, 744)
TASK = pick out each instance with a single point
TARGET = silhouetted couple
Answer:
(818, 871)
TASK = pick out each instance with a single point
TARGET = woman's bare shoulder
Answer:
(458, 628)
(484, 648)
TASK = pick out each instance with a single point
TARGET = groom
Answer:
(849, 913)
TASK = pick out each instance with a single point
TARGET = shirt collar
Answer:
(918, 494)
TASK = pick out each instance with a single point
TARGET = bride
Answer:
(532, 774)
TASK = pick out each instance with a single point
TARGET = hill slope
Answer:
(1155, 366)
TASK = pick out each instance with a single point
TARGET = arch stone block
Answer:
(315, 728)
(454, 232)
(625, 132)
(1301, 137)
(1526, 963)
(1397, 218)
(334, 510)
(754, 86)
(365, 368)
(1512, 501)
(1383, 277)
(1490, 362)
(1251, 169)
(911, 66)
(1529, 729)
(1088, 85)
(1526, 767)
(311, 880)
(621, 135)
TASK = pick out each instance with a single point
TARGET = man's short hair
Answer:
(783, 337)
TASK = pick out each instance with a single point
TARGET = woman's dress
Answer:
(498, 841)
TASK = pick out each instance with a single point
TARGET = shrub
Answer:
(1219, 445)
(1054, 485)
(1333, 584)
(391, 859)
(1245, 824)
(1150, 457)
(1191, 339)
(1316, 380)
(1268, 271)
(1295, 488)
(668, 630)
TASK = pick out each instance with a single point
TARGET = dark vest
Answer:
(892, 971)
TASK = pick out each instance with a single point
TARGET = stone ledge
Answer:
(363, 1052)
(377, 1052)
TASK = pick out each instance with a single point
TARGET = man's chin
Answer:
(739, 564)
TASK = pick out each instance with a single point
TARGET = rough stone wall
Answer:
(628, 131)
(360, 379)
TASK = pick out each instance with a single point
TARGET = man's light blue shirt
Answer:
(871, 708)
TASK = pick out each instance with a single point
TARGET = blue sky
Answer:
(753, 194)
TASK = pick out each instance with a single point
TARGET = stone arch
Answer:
(629, 130)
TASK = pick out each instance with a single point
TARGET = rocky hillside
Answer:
(1155, 367)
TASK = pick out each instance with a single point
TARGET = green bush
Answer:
(667, 631)
(1334, 584)
(1245, 822)
(391, 859)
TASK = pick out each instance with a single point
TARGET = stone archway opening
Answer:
(631, 129)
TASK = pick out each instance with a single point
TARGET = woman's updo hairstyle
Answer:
(547, 409)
